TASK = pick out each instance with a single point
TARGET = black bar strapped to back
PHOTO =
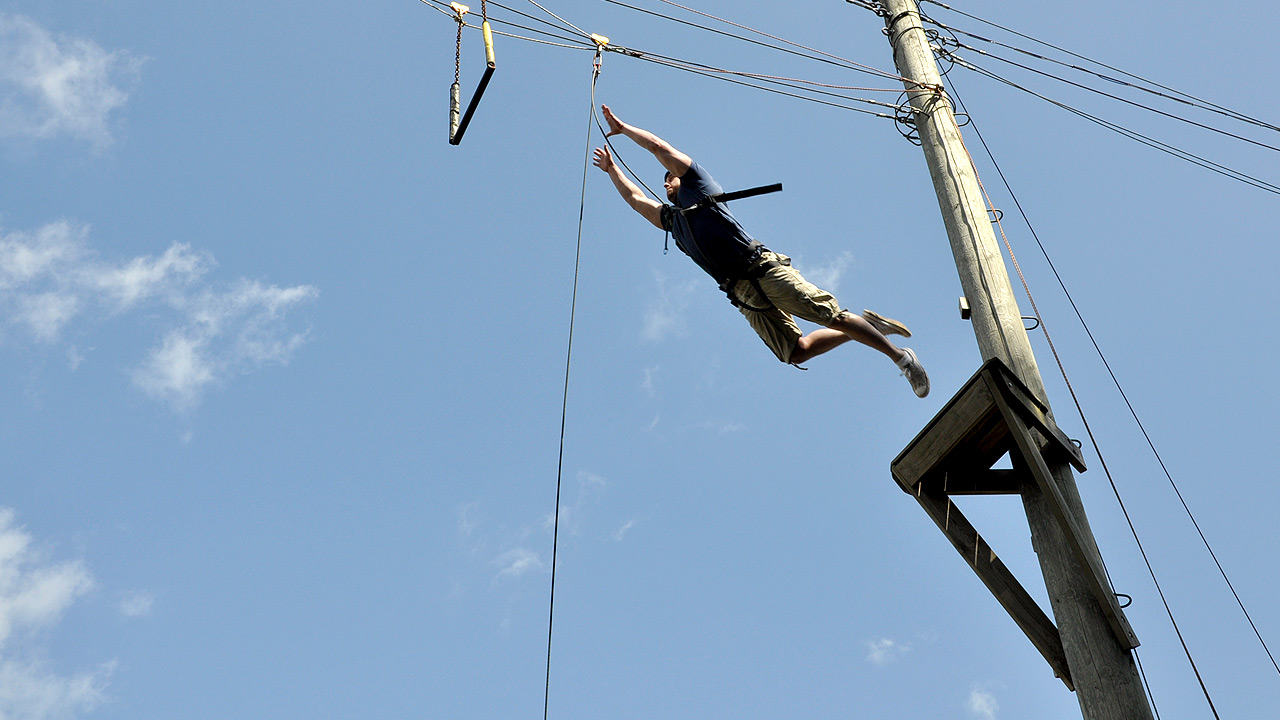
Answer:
(735, 195)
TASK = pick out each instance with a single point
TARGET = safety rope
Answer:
(564, 408)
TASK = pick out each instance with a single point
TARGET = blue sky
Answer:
(282, 369)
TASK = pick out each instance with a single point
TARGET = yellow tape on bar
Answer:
(488, 44)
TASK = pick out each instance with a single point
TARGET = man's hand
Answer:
(603, 159)
(615, 125)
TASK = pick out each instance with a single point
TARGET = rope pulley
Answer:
(456, 127)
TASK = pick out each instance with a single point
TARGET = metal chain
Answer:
(457, 60)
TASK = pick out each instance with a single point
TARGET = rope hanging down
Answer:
(456, 127)
(601, 42)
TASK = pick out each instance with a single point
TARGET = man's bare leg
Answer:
(844, 328)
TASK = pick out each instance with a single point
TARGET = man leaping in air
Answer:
(760, 282)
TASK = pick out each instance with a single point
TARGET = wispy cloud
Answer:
(590, 486)
(53, 85)
(137, 604)
(34, 594)
(227, 332)
(882, 651)
(827, 276)
(648, 383)
(983, 704)
(721, 427)
(517, 562)
(664, 318)
(621, 532)
(51, 277)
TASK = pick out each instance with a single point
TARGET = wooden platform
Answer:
(992, 415)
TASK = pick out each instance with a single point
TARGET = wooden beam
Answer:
(1039, 629)
(1035, 412)
(967, 434)
(1087, 557)
(985, 482)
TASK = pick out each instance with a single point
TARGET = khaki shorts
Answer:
(786, 293)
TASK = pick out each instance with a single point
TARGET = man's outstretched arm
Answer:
(651, 209)
(676, 162)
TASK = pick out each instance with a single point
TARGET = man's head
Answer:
(671, 184)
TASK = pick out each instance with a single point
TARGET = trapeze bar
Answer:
(456, 130)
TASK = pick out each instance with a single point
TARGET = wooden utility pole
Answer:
(1095, 637)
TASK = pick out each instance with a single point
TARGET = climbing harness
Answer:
(755, 270)
(456, 127)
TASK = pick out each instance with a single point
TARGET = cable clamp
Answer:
(460, 9)
(601, 42)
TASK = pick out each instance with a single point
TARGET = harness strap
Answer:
(752, 275)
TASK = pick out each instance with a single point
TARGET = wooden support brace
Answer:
(1039, 629)
(993, 414)
(984, 482)
(1086, 556)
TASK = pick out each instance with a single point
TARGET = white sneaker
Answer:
(885, 325)
(914, 372)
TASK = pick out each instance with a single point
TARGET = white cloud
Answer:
(52, 277)
(828, 276)
(137, 604)
(983, 704)
(55, 85)
(882, 651)
(722, 427)
(40, 257)
(665, 316)
(178, 370)
(590, 487)
(647, 385)
(517, 562)
(228, 332)
(144, 277)
(621, 532)
(46, 313)
(34, 594)
(466, 521)
(29, 690)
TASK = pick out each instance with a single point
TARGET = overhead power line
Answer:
(1111, 96)
(1180, 96)
(1131, 134)
(822, 93)
(942, 43)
